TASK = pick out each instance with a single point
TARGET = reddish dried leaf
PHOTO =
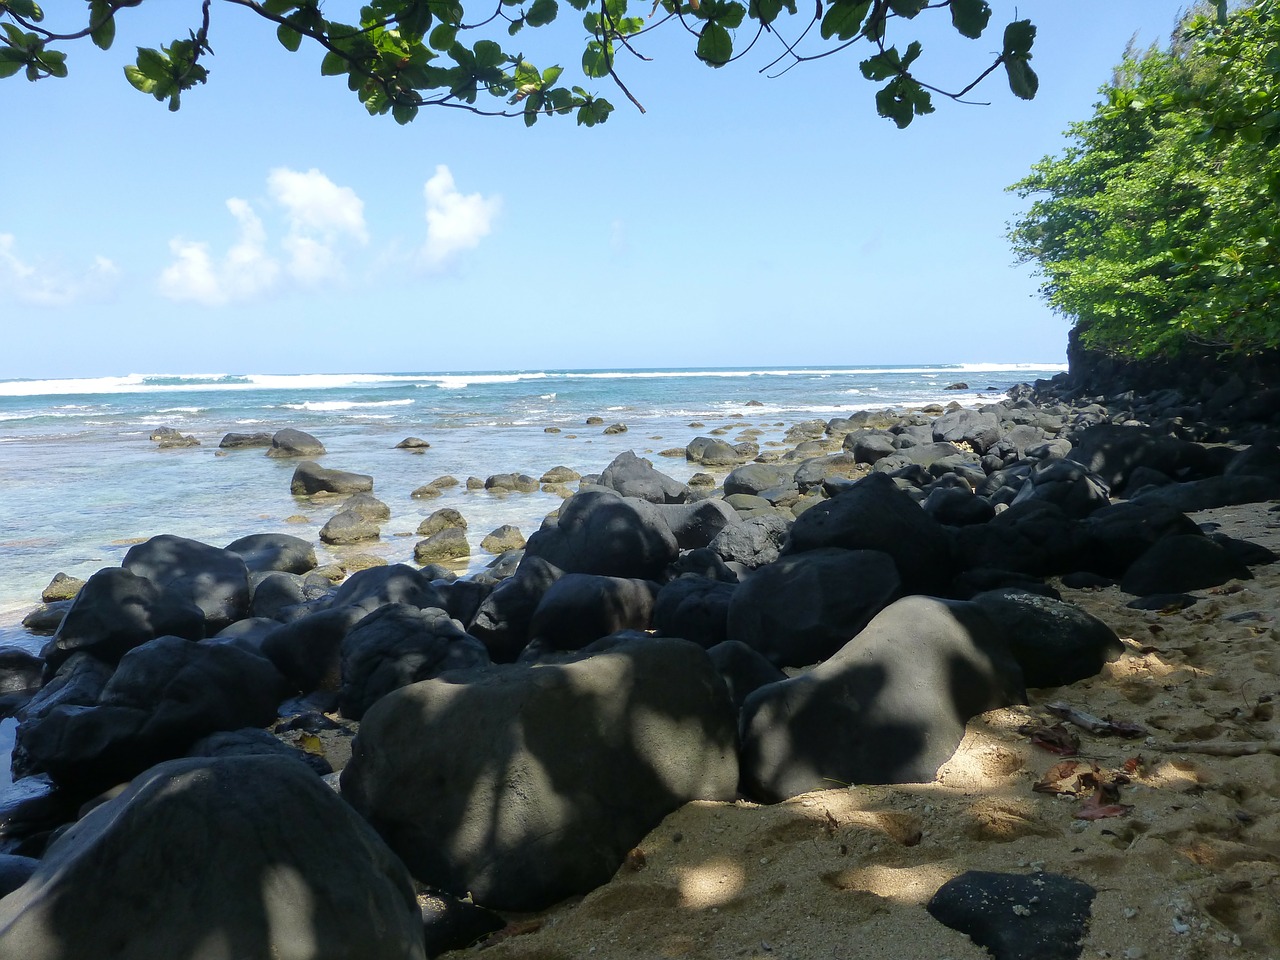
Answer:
(1095, 808)
(1133, 765)
(1070, 776)
(1056, 739)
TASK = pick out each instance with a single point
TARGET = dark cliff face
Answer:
(1249, 382)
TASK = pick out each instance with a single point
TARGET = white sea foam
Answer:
(328, 406)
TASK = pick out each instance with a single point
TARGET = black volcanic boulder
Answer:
(222, 859)
(274, 551)
(712, 452)
(980, 429)
(527, 784)
(801, 609)
(294, 443)
(580, 608)
(754, 542)
(1180, 563)
(1034, 537)
(234, 441)
(1117, 535)
(755, 479)
(309, 478)
(697, 524)
(397, 645)
(215, 580)
(1211, 492)
(117, 610)
(306, 651)
(695, 608)
(890, 707)
(21, 675)
(1066, 483)
(1054, 642)
(164, 696)
(394, 583)
(633, 476)
(744, 670)
(873, 514)
(1035, 916)
(602, 533)
(501, 622)
(1113, 452)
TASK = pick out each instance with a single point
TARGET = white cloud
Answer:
(319, 218)
(46, 286)
(246, 271)
(455, 221)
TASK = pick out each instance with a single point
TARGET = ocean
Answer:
(82, 481)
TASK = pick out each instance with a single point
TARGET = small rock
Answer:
(412, 443)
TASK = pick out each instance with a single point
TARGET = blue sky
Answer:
(272, 226)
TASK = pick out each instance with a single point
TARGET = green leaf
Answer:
(403, 113)
(279, 7)
(844, 20)
(882, 66)
(55, 62)
(333, 65)
(443, 37)
(594, 62)
(289, 38)
(542, 12)
(515, 27)
(139, 80)
(27, 9)
(731, 16)
(765, 11)
(488, 54)
(907, 8)
(551, 75)
(715, 46)
(9, 67)
(579, 4)
(970, 17)
(1022, 79)
(101, 15)
(1018, 38)
(153, 64)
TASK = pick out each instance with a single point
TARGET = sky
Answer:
(273, 226)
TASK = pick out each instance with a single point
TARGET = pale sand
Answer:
(1193, 871)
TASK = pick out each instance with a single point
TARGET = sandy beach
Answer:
(1189, 868)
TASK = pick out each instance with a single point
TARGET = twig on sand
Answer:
(1220, 748)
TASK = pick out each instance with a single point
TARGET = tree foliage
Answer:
(399, 56)
(1159, 225)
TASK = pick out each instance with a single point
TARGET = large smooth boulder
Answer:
(528, 784)
(694, 607)
(1117, 535)
(697, 524)
(754, 542)
(755, 479)
(979, 429)
(712, 452)
(215, 580)
(117, 610)
(803, 608)
(501, 622)
(274, 551)
(306, 651)
(890, 707)
(397, 645)
(1035, 537)
(1054, 642)
(602, 533)
(580, 608)
(633, 476)
(1212, 492)
(394, 583)
(1113, 452)
(873, 514)
(1180, 563)
(226, 859)
(164, 696)
(309, 478)
(1066, 483)
(350, 526)
(294, 443)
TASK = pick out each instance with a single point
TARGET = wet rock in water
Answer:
(274, 551)
(294, 443)
(234, 441)
(511, 483)
(444, 482)
(711, 452)
(261, 859)
(368, 506)
(215, 580)
(21, 676)
(309, 478)
(397, 645)
(427, 491)
(412, 443)
(163, 433)
(1037, 916)
(593, 421)
(176, 442)
(634, 476)
(47, 617)
(615, 428)
(889, 707)
(443, 546)
(801, 609)
(118, 610)
(442, 519)
(470, 781)
(560, 474)
(61, 587)
(502, 539)
(350, 526)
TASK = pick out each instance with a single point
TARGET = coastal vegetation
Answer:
(1157, 229)
(403, 55)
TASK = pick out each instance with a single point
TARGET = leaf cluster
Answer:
(402, 55)
(1159, 225)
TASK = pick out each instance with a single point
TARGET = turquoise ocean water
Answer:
(81, 480)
